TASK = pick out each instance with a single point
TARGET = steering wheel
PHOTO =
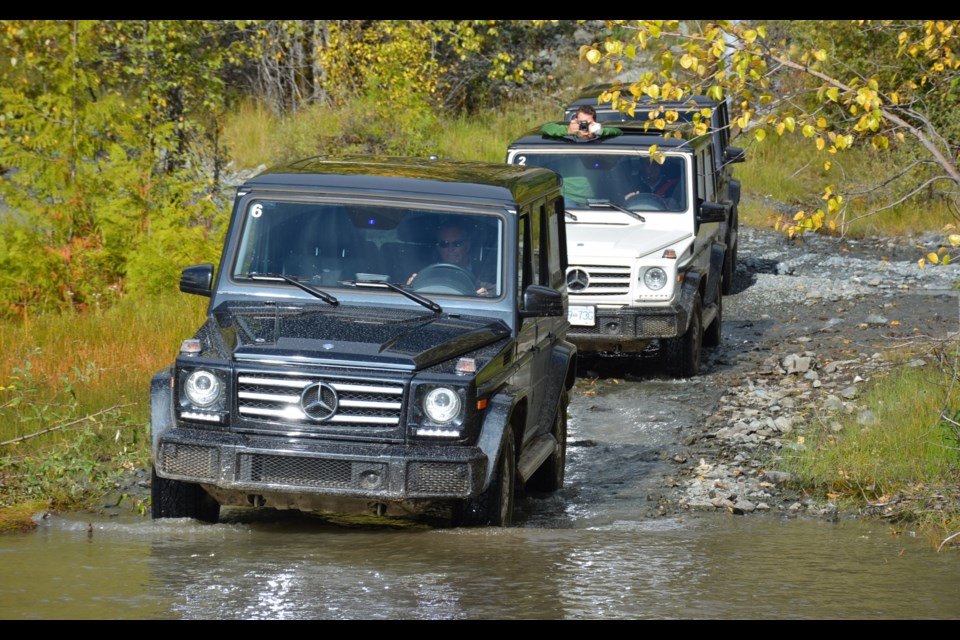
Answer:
(443, 277)
(646, 202)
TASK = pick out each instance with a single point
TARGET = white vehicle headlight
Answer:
(203, 388)
(655, 278)
(442, 405)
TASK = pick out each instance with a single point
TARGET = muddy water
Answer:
(594, 551)
(290, 568)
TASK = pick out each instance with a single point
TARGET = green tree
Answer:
(100, 123)
(894, 85)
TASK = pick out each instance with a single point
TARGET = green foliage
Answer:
(872, 85)
(907, 449)
(49, 451)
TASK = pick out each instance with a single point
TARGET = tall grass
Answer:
(74, 397)
(904, 448)
(791, 171)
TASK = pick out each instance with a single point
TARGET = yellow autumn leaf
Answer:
(801, 440)
(933, 258)
(593, 56)
(760, 134)
(820, 144)
(895, 323)
(954, 239)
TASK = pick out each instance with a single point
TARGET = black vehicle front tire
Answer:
(549, 477)
(176, 499)
(681, 355)
(494, 506)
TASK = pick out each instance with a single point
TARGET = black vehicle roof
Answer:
(414, 177)
(635, 134)
(591, 93)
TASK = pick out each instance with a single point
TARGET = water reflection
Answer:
(709, 567)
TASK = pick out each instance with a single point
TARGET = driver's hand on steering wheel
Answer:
(482, 291)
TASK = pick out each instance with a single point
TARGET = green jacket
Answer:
(559, 130)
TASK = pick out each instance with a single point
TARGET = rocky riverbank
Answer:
(809, 325)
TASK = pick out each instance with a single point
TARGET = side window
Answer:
(525, 273)
(706, 175)
(722, 126)
(541, 248)
(536, 245)
(555, 266)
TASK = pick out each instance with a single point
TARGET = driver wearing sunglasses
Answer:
(453, 247)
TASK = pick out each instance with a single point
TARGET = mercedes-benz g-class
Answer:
(693, 110)
(345, 368)
(644, 240)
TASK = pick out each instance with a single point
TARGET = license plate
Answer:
(581, 316)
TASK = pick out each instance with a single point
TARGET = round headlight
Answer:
(442, 405)
(203, 388)
(655, 278)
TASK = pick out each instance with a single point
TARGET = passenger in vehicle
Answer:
(583, 126)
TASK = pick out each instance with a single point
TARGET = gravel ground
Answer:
(810, 323)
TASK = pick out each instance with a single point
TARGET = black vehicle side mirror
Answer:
(734, 154)
(542, 302)
(712, 212)
(197, 279)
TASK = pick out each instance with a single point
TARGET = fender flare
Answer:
(691, 285)
(716, 272)
(161, 407)
(499, 413)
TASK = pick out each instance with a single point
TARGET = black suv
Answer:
(696, 108)
(344, 368)
(644, 240)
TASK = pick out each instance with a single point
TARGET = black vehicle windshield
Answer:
(333, 245)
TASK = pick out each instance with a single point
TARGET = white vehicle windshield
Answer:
(334, 245)
(633, 181)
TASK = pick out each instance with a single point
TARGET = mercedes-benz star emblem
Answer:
(319, 401)
(577, 280)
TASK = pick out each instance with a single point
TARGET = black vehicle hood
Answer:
(319, 333)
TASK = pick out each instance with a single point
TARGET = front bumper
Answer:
(629, 329)
(245, 466)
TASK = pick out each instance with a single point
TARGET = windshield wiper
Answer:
(273, 277)
(380, 284)
(606, 203)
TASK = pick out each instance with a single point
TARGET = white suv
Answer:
(645, 261)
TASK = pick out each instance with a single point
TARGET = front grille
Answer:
(194, 461)
(604, 281)
(657, 327)
(298, 471)
(427, 478)
(361, 403)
